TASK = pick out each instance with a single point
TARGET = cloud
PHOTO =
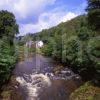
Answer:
(47, 20)
(35, 15)
(23, 8)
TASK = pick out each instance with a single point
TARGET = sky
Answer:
(34, 15)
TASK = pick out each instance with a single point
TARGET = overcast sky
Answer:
(35, 15)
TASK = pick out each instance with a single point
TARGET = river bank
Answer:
(37, 74)
(87, 91)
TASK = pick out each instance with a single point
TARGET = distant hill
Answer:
(71, 27)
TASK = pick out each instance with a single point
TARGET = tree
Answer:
(94, 14)
(8, 25)
(8, 30)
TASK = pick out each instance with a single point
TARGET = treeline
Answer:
(75, 44)
(8, 30)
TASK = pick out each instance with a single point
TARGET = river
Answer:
(38, 81)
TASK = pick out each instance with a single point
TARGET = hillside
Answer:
(71, 27)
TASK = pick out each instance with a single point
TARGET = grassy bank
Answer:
(87, 91)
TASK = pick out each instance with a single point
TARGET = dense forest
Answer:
(8, 30)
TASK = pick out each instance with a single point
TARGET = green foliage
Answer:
(84, 33)
(8, 26)
(47, 50)
(8, 29)
(94, 54)
(72, 49)
(94, 14)
(57, 46)
(86, 92)
(7, 61)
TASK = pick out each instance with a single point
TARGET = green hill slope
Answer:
(71, 27)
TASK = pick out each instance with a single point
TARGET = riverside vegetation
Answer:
(8, 30)
(75, 43)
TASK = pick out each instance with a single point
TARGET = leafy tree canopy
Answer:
(93, 10)
(8, 25)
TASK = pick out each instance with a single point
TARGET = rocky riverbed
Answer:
(37, 79)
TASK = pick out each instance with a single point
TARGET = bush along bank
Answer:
(8, 30)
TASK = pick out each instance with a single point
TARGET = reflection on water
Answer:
(38, 82)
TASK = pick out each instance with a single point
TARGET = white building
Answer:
(39, 44)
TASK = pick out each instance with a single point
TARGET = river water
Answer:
(39, 82)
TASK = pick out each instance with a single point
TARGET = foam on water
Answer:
(34, 84)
